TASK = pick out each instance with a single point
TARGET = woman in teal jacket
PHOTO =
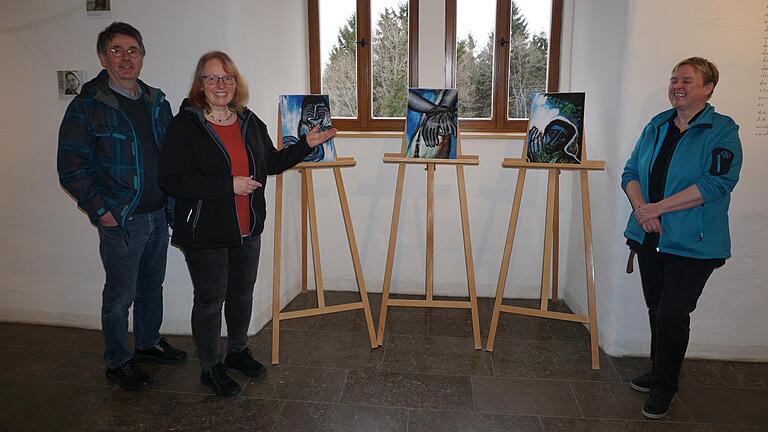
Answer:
(679, 180)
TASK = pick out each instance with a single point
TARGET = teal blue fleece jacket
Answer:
(708, 155)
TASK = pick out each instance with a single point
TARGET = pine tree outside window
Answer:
(505, 52)
(363, 54)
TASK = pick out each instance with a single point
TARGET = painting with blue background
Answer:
(432, 123)
(301, 113)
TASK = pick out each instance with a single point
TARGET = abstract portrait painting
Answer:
(431, 123)
(556, 128)
(300, 114)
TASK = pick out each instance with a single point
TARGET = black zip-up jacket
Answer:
(195, 168)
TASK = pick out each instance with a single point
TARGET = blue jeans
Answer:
(134, 264)
(222, 277)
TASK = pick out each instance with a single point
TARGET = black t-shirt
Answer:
(152, 198)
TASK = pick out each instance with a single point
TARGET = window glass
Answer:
(389, 57)
(475, 43)
(338, 55)
(528, 48)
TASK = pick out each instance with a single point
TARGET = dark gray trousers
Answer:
(222, 276)
(672, 286)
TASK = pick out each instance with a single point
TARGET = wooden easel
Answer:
(309, 210)
(429, 301)
(551, 246)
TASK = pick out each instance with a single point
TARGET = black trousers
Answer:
(672, 286)
(222, 276)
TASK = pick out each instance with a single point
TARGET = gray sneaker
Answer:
(641, 383)
(656, 406)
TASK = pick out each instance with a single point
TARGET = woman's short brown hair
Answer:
(197, 95)
(706, 68)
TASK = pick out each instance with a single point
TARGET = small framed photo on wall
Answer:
(70, 82)
(98, 8)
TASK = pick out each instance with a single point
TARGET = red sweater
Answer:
(233, 142)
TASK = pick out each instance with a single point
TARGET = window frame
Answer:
(364, 120)
(500, 85)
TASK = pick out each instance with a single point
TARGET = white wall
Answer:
(49, 266)
(50, 271)
(649, 37)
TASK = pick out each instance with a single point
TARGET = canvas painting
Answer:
(431, 123)
(556, 128)
(300, 114)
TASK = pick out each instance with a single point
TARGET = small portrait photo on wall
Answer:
(70, 83)
(98, 8)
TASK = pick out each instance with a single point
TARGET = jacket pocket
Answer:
(682, 230)
(194, 213)
(113, 142)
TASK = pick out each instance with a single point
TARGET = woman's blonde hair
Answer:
(706, 68)
(197, 95)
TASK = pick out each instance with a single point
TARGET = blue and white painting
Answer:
(556, 128)
(299, 114)
(431, 123)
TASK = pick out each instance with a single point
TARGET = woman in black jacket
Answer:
(214, 161)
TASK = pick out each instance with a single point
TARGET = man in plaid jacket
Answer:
(108, 160)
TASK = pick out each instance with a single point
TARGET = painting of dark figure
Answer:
(432, 123)
(556, 128)
(300, 114)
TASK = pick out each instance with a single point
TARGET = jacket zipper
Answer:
(666, 184)
(137, 156)
(253, 164)
(229, 163)
(199, 207)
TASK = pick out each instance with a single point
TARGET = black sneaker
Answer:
(245, 363)
(129, 376)
(220, 382)
(656, 406)
(641, 383)
(161, 352)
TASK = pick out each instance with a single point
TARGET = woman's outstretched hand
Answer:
(315, 137)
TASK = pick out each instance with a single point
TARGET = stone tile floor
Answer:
(426, 377)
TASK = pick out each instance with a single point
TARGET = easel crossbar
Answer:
(563, 316)
(453, 304)
(460, 160)
(587, 165)
(321, 310)
(340, 162)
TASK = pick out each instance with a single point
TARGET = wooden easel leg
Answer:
(505, 258)
(552, 181)
(355, 255)
(556, 240)
(590, 269)
(303, 231)
(276, 264)
(468, 260)
(315, 240)
(430, 230)
(391, 252)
